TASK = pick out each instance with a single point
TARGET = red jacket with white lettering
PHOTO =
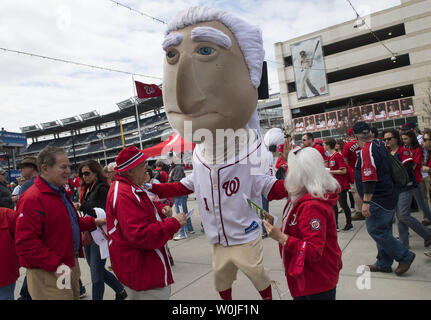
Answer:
(137, 236)
(43, 234)
(9, 268)
(311, 255)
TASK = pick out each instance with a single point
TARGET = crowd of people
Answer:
(48, 219)
(81, 195)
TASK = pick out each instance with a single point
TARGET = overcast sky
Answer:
(99, 32)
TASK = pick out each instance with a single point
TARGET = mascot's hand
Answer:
(182, 218)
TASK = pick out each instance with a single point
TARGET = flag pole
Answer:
(122, 134)
(136, 109)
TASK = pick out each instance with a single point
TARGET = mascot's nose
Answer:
(189, 95)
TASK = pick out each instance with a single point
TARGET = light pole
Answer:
(102, 136)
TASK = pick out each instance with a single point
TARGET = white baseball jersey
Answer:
(219, 190)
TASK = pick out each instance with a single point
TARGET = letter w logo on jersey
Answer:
(231, 186)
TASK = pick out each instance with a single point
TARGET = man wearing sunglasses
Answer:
(376, 188)
(308, 141)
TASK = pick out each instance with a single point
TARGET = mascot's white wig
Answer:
(273, 137)
(249, 39)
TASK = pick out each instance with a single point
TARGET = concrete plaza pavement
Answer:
(194, 279)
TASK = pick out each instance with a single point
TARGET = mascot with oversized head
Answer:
(212, 71)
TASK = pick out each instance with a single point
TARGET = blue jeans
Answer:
(182, 202)
(379, 227)
(7, 292)
(406, 221)
(99, 275)
(265, 206)
(419, 197)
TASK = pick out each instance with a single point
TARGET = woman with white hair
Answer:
(308, 237)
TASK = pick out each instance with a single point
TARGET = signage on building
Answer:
(13, 139)
(13, 175)
(372, 112)
(309, 68)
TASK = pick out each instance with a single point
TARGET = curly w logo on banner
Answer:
(147, 90)
(231, 187)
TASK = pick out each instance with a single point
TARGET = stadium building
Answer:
(376, 68)
(98, 137)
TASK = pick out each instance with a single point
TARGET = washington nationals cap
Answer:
(318, 141)
(129, 158)
(361, 127)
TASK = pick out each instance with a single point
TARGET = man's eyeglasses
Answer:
(388, 139)
(86, 173)
(425, 139)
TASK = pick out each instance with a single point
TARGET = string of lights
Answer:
(78, 63)
(137, 11)
(393, 58)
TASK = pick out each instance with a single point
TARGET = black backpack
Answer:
(398, 171)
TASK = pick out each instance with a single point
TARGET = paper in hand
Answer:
(260, 211)
(189, 214)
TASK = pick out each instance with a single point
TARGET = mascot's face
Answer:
(206, 80)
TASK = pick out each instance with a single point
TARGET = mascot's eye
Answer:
(206, 51)
(171, 54)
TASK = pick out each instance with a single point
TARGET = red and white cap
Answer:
(129, 158)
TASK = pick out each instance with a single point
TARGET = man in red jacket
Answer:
(48, 231)
(308, 141)
(138, 231)
(9, 268)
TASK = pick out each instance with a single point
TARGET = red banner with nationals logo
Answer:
(147, 90)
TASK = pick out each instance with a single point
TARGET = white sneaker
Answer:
(179, 237)
(191, 232)
(428, 254)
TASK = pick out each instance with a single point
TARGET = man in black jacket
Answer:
(5, 194)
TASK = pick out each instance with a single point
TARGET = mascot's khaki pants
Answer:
(44, 285)
(246, 257)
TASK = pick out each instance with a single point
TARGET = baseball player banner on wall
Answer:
(309, 68)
